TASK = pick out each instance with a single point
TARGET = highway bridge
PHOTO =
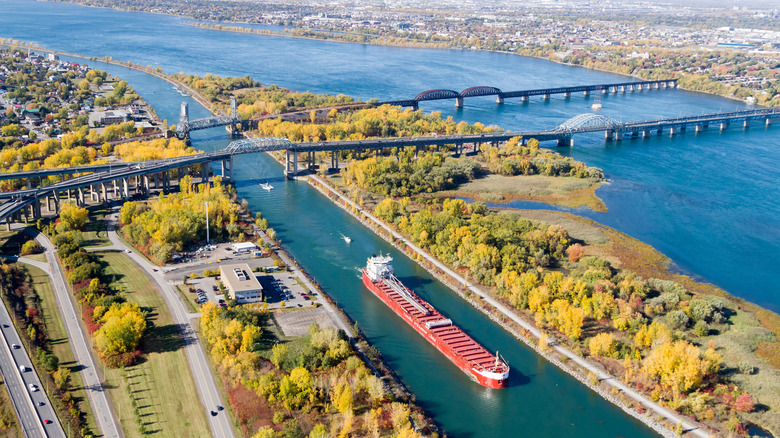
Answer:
(620, 87)
(138, 178)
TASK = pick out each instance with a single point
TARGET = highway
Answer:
(98, 398)
(32, 408)
(206, 385)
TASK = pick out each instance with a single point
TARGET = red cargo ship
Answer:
(471, 357)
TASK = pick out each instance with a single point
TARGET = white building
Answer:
(244, 247)
(241, 283)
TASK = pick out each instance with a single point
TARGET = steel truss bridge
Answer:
(440, 94)
(99, 181)
(186, 125)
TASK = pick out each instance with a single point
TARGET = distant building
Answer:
(108, 117)
(241, 283)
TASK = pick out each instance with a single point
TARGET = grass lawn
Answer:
(95, 231)
(59, 341)
(561, 190)
(189, 298)
(161, 386)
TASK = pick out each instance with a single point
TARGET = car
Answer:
(40, 403)
(128, 251)
(33, 388)
(47, 421)
(5, 325)
(16, 346)
(220, 408)
(22, 368)
(154, 269)
(213, 413)
(215, 288)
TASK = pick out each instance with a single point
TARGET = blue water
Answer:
(708, 201)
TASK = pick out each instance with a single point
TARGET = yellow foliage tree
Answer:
(679, 365)
(603, 344)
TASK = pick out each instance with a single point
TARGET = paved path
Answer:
(79, 342)
(32, 408)
(605, 377)
(206, 385)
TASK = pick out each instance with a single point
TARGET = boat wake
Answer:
(346, 239)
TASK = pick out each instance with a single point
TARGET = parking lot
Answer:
(281, 287)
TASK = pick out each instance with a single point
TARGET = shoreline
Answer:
(434, 47)
(489, 305)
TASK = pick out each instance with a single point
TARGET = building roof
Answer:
(246, 282)
(243, 246)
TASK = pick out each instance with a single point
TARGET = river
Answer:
(708, 201)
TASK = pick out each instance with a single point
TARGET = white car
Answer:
(128, 251)
(22, 368)
(33, 388)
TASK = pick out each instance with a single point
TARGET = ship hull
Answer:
(490, 380)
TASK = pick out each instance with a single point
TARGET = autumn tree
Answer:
(680, 366)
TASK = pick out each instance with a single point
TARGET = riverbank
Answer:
(325, 35)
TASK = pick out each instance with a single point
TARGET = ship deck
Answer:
(451, 336)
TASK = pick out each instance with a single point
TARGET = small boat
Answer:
(346, 238)
(597, 104)
(266, 186)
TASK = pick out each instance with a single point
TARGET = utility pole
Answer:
(207, 223)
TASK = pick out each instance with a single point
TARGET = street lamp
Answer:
(207, 223)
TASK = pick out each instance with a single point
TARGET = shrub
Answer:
(30, 247)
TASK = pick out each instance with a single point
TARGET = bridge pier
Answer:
(56, 197)
(631, 88)
(609, 135)
(103, 191)
(36, 207)
(334, 159)
(567, 95)
(500, 99)
(125, 189)
(565, 142)
(546, 97)
(80, 197)
(646, 133)
(458, 102)
(672, 131)
(204, 173)
(768, 122)
(586, 93)
(698, 128)
(724, 126)
(523, 99)
(746, 124)
(622, 88)
(604, 91)
(291, 160)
